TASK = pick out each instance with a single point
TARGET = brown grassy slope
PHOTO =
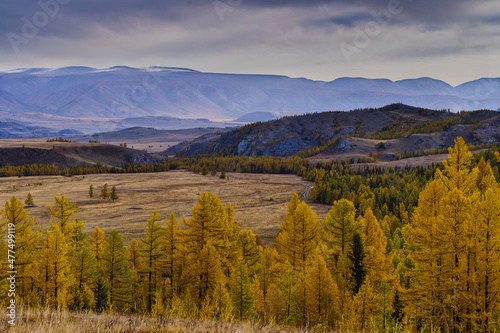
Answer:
(414, 142)
(150, 139)
(20, 156)
(177, 191)
(81, 152)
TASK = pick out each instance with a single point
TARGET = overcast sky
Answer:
(452, 40)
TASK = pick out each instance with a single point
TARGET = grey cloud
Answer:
(131, 31)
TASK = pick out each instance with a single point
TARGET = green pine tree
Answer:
(357, 255)
(113, 194)
(29, 200)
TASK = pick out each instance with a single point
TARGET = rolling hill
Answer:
(17, 152)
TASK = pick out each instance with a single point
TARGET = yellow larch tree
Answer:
(97, 242)
(425, 241)
(54, 274)
(375, 261)
(249, 251)
(298, 235)
(82, 266)
(287, 287)
(62, 212)
(365, 307)
(487, 209)
(136, 276)
(222, 307)
(447, 239)
(241, 293)
(322, 293)
(151, 251)
(171, 250)
(200, 273)
(15, 217)
(116, 273)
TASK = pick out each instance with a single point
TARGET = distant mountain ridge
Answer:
(121, 92)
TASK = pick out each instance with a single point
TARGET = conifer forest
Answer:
(400, 250)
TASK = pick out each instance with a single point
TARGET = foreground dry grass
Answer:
(49, 321)
(177, 191)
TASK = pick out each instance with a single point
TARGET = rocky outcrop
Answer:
(487, 133)
(343, 145)
(143, 159)
(286, 147)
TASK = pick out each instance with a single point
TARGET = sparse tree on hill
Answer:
(104, 192)
(113, 194)
(91, 191)
(29, 200)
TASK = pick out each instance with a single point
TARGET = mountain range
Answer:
(96, 100)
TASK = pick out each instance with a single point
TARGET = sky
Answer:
(452, 40)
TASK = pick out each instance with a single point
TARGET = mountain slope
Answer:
(376, 130)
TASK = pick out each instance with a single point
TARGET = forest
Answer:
(400, 250)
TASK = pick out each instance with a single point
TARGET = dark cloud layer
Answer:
(109, 12)
(293, 37)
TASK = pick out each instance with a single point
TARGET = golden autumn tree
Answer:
(171, 249)
(266, 276)
(54, 276)
(62, 212)
(365, 307)
(249, 251)
(136, 277)
(116, 272)
(151, 252)
(209, 244)
(337, 232)
(487, 208)
(222, 307)
(375, 243)
(322, 292)
(97, 242)
(451, 225)
(14, 216)
(201, 272)
(241, 293)
(82, 266)
(298, 234)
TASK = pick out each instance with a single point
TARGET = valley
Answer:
(174, 191)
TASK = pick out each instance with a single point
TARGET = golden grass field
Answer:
(36, 320)
(173, 191)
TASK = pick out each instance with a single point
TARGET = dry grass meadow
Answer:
(173, 191)
(50, 321)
